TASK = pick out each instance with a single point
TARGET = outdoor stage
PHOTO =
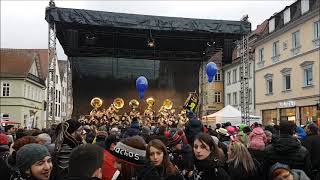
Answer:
(108, 51)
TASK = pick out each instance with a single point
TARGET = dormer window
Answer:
(286, 16)
(271, 25)
(304, 6)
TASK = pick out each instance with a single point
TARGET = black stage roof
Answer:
(87, 33)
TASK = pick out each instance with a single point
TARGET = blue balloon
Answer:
(211, 70)
(141, 85)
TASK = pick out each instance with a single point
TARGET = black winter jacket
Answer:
(287, 150)
(150, 172)
(239, 173)
(312, 143)
(183, 159)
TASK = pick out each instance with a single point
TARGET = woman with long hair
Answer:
(158, 165)
(208, 161)
(241, 166)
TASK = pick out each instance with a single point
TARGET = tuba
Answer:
(150, 102)
(96, 102)
(167, 104)
(118, 103)
(134, 104)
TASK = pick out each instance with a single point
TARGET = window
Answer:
(218, 76)
(217, 97)
(286, 16)
(28, 93)
(307, 73)
(57, 79)
(317, 30)
(59, 110)
(275, 52)
(308, 76)
(249, 70)
(228, 98)
(25, 118)
(5, 89)
(229, 78)
(296, 39)
(56, 113)
(56, 95)
(235, 100)
(59, 98)
(316, 40)
(250, 96)
(261, 55)
(304, 6)
(271, 25)
(269, 85)
(287, 81)
(24, 90)
(234, 76)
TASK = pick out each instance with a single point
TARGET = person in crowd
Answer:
(257, 139)
(101, 139)
(68, 137)
(181, 154)
(86, 162)
(269, 136)
(241, 166)
(224, 136)
(207, 163)
(312, 143)
(33, 162)
(108, 168)
(193, 127)
(158, 165)
(300, 133)
(10, 131)
(145, 133)
(45, 140)
(20, 133)
(134, 128)
(4, 154)
(282, 172)
(287, 150)
(160, 134)
(130, 157)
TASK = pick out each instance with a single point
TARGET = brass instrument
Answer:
(167, 104)
(118, 103)
(150, 102)
(96, 102)
(134, 103)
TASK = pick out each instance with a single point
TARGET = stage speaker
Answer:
(228, 46)
(72, 38)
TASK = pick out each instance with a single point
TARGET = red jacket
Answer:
(108, 168)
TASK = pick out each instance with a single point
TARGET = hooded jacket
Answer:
(257, 139)
(192, 129)
(288, 150)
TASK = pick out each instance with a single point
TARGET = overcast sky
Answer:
(23, 24)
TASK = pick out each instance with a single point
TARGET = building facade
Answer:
(22, 86)
(212, 93)
(287, 65)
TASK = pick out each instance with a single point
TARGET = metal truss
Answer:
(244, 80)
(51, 78)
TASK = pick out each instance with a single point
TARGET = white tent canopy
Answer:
(228, 114)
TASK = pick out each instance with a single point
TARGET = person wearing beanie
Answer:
(109, 160)
(86, 162)
(34, 162)
(283, 171)
(181, 154)
(288, 150)
(130, 157)
(134, 128)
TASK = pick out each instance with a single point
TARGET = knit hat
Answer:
(174, 139)
(131, 150)
(278, 166)
(29, 154)
(231, 130)
(89, 155)
(3, 139)
(73, 125)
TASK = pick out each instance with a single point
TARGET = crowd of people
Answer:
(75, 150)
